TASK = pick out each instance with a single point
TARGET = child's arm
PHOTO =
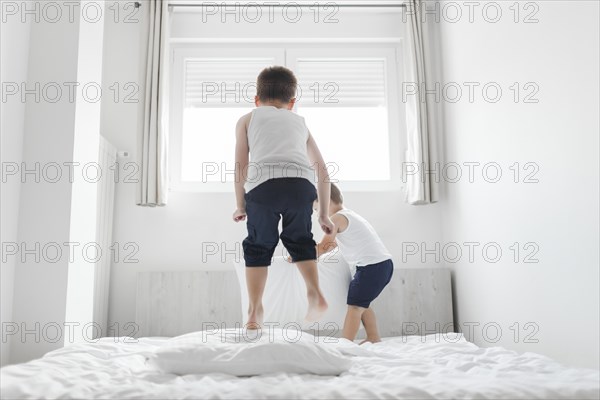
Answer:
(241, 165)
(328, 243)
(323, 186)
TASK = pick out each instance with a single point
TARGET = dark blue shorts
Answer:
(368, 282)
(288, 199)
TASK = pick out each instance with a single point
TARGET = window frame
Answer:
(176, 107)
(286, 55)
(395, 120)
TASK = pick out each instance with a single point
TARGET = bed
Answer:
(419, 365)
(437, 366)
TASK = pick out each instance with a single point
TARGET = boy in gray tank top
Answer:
(276, 160)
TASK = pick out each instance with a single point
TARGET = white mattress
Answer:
(429, 367)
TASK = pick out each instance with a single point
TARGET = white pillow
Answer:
(246, 353)
(284, 299)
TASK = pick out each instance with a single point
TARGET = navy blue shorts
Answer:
(368, 282)
(289, 199)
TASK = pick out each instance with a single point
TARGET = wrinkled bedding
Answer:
(440, 366)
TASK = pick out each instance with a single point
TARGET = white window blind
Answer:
(226, 82)
(341, 82)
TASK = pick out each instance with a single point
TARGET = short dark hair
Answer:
(276, 83)
(336, 195)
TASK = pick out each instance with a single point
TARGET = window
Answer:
(347, 105)
(348, 95)
(212, 89)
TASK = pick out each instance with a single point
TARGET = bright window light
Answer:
(344, 102)
(208, 143)
(354, 141)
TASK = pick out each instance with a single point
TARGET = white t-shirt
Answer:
(359, 243)
(277, 140)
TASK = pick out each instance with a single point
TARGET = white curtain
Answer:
(421, 150)
(152, 146)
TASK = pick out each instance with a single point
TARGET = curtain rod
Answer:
(138, 5)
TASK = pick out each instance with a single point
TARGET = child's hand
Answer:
(239, 215)
(289, 259)
(326, 224)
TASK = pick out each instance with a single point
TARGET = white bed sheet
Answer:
(414, 367)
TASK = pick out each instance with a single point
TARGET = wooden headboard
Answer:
(417, 301)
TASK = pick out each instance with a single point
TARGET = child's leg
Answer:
(352, 322)
(370, 323)
(297, 238)
(259, 245)
(317, 305)
(256, 277)
(367, 284)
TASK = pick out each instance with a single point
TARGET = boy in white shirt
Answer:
(362, 248)
(274, 179)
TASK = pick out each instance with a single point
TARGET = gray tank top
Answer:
(277, 140)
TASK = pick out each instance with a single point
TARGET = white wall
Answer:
(54, 212)
(560, 213)
(15, 59)
(40, 285)
(171, 238)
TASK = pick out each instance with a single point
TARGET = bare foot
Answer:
(252, 326)
(369, 340)
(255, 318)
(317, 305)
